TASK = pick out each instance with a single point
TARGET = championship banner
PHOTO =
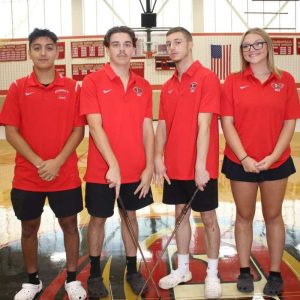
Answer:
(61, 69)
(13, 52)
(138, 68)
(86, 49)
(79, 71)
(298, 45)
(61, 50)
(283, 46)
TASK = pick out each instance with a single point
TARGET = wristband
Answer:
(243, 158)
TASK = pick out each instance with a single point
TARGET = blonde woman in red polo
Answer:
(259, 108)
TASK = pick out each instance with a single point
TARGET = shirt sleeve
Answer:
(210, 96)
(78, 119)
(11, 114)
(292, 109)
(226, 103)
(89, 103)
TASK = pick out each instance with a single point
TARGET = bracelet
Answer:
(243, 158)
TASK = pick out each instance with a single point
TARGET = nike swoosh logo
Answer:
(170, 91)
(27, 94)
(242, 87)
(106, 91)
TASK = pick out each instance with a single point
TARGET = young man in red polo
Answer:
(118, 107)
(187, 153)
(42, 123)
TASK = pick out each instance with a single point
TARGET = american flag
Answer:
(221, 60)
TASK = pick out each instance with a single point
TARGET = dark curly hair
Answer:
(119, 29)
(36, 33)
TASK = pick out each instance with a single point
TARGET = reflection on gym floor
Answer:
(156, 223)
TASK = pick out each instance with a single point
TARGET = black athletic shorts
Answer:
(29, 205)
(234, 171)
(100, 198)
(180, 192)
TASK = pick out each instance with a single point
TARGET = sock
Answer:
(245, 270)
(33, 278)
(275, 274)
(212, 267)
(183, 263)
(131, 264)
(95, 266)
(71, 276)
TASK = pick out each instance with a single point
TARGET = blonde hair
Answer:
(270, 56)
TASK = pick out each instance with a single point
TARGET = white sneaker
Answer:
(212, 288)
(28, 291)
(75, 290)
(173, 279)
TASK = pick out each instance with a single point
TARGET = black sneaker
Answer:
(274, 286)
(96, 288)
(136, 282)
(245, 283)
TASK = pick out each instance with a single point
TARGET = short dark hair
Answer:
(36, 33)
(184, 31)
(119, 29)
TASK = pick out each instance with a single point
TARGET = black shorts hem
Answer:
(29, 205)
(180, 192)
(234, 171)
(100, 199)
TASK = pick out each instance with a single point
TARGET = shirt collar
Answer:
(58, 80)
(191, 70)
(112, 75)
(248, 73)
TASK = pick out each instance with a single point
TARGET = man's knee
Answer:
(30, 228)
(209, 218)
(69, 225)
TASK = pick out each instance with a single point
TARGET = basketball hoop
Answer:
(149, 50)
(149, 54)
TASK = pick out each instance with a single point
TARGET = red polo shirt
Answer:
(180, 103)
(259, 111)
(45, 117)
(123, 113)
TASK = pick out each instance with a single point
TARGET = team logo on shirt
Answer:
(61, 93)
(277, 86)
(138, 91)
(193, 87)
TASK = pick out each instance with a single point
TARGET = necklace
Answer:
(262, 74)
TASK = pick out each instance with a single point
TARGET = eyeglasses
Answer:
(255, 46)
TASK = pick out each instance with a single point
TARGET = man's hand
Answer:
(201, 178)
(144, 185)
(160, 172)
(113, 177)
(48, 170)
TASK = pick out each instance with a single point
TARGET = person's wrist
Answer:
(243, 158)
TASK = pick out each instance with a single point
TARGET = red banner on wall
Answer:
(61, 50)
(87, 49)
(13, 52)
(61, 69)
(298, 45)
(138, 68)
(79, 71)
(283, 46)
